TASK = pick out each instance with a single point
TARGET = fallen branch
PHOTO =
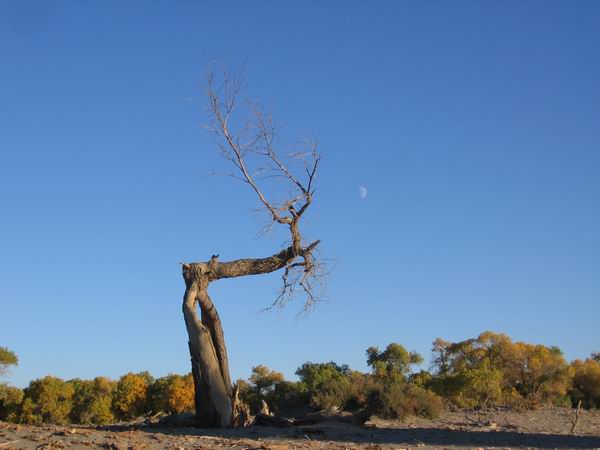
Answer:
(576, 417)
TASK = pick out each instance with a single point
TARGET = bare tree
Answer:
(284, 186)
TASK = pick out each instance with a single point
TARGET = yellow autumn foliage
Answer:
(181, 395)
(491, 369)
(130, 395)
(586, 382)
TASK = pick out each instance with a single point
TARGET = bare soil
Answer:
(543, 428)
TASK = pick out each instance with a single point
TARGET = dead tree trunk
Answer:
(213, 390)
(210, 368)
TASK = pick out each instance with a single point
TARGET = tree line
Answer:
(488, 370)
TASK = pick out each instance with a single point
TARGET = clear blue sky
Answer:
(475, 127)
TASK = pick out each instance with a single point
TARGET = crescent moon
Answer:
(362, 192)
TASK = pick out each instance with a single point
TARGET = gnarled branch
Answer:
(250, 143)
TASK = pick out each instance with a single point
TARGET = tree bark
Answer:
(214, 395)
(213, 392)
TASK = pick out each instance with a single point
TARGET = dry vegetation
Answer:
(486, 391)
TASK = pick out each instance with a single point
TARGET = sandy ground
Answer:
(544, 428)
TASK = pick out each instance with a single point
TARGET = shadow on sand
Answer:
(342, 432)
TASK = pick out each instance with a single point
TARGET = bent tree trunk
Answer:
(214, 396)
(213, 390)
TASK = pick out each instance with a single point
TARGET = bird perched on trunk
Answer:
(213, 260)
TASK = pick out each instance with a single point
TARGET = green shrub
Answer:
(289, 397)
(261, 385)
(392, 391)
(332, 393)
(395, 360)
(396, 399)
(92, 401)
(327, 384)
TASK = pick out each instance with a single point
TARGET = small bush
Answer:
(586, 383)
(180, 397)
(399, 400)
(261, 385)
(173, 394)
(130, 397)
(394, 360)
(491, 369)
(327, 384)
(332, 393)
(47, 400)
(289, 397)
(92, 401)
(7, 358)
(10, 402)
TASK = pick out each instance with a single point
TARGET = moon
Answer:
(362, 192)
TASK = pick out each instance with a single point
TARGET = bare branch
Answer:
(248, 138)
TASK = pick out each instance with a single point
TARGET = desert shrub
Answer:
(540, 374)
(289, 397)
(398, 399)
(10, 402)
(10, 397)
(263, 379)
(357, 391)
(586, 383)
(395, 360)
(28, 413)
(332, 393)
(313, 374)
(7, 359)
(422, 378)
(282, 397)
(470, 373)
(327, 384)
(158, 394)
(181, 394)
(491, 369)
(262, 385)
(173, 394)
(130, 397)
(474, 386)
(392, 391)
(47, 400)
(92, 401)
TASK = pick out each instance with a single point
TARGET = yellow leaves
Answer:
(491, 368)
(180, 397)
(130, 396)
(49, 400)
(10, 401)
(172, 394)
(7, 359)
(586, 382)
(264, 379)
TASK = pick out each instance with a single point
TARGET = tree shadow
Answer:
(496, 438)
(343, 432)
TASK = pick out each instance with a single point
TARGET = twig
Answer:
(4, 444)
(576, 417)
